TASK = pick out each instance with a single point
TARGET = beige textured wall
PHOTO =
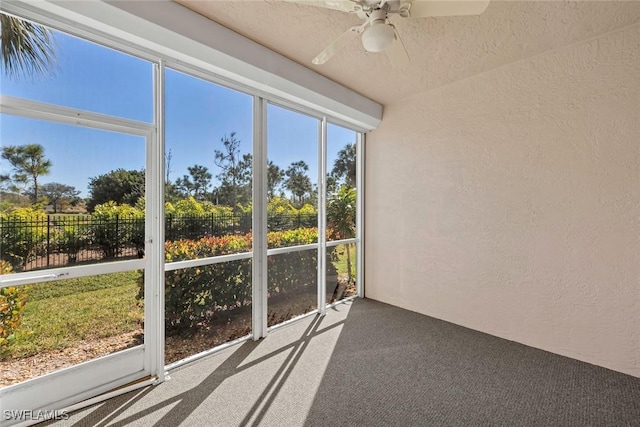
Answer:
(509, 202)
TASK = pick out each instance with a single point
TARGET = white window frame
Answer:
(132, 363)
(110, 26)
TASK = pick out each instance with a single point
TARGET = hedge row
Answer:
(195, 295)
(26, 234)
(118, 230)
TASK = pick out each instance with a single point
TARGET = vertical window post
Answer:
(259, 264)
(360, 152)
(322, 214)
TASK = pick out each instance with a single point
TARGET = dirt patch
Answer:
(13, 371)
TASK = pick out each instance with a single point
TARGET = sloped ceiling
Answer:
(442, 50)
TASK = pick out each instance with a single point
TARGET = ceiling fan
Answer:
(378, 33)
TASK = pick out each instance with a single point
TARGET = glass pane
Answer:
(84, 75)
(67, 322)
(70, 194)
(341, 272)
(292, 174)
(205, 307)
(292, 285)
(209, 134)
(341, 183)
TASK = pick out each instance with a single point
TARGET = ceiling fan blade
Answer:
(341, 5)
(337, 44)
(423, 8)
(397, 53)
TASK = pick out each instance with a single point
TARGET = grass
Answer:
(66, 287)
(65, 313)
(340, 263)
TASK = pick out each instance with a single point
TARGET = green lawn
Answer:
(84, 284)
(340, 263)
(64, 313)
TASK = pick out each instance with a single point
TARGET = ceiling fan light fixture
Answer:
(377, 32)
(378, 37)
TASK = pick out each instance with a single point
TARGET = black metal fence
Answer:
(56, 240)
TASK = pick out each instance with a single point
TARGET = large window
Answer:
(62, 215)
(341, 213)
(208, 215)
(134, 190)
(292, 213)
(75, 222)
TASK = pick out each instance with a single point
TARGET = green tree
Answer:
(57, 193)
(171, 192)
(341, 218)
(344, 167)
(28, 164)
(27, 48)
(7, 185)
(120, 186)
(275, 177)
(297, 181)
(195, 184)
(235, 172)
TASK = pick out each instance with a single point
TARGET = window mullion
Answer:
(259, 264)
(322, 214)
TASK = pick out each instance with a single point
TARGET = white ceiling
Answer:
(442, 50)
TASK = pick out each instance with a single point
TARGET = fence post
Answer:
(48, 238)
(117, 243)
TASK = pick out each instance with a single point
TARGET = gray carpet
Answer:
(371, 364)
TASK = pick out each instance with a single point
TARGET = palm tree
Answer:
(344, 166)
(27, 49)
(297, 181)
(28, 163)
(341, 219)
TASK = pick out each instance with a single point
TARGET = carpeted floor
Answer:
(371, 364)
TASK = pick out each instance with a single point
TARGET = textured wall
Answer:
(509, 202)
(442, 50)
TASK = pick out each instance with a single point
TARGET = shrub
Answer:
(12, 301)
(189, 206)
(307, 216)
(196, 295)
(5, 267)
(22, 234)
(115, 227)
(72, 238)
(289, 272)
(192, 295)
(191, 219)
(282, 215)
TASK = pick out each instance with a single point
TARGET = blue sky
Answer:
(198, 115)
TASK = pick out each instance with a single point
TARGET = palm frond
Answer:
(27, 49)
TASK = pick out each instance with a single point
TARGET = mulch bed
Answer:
(15, 370)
